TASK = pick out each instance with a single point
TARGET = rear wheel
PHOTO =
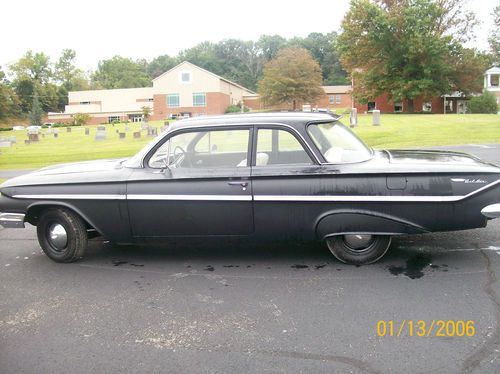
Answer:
(62, 235)
(358, 249)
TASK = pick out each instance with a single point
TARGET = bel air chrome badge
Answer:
(467, 180)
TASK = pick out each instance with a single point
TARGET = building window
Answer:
(398, 107)
(173, 100)
(427, 107)
(84, 102)
(331, 98)
(151, 99)
(494, 80)
(199, 99)
(185, 77)
(337, 99)
(112, 119)
(371, 106)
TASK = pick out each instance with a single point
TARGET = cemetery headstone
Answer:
(137, 134)
(100, 133)
(122, 135)
(68, 129)
(87, 131)
(26, 141)
(353, 117)
(376, 117)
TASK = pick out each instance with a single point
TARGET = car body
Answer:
(286, 176)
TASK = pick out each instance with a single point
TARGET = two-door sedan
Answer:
(289, 176)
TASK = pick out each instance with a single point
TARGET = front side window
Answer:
(279, 147)
(203, 149)
(199, 99)
(338, 98)
(337, 143)
(331, 99)
(173, 100)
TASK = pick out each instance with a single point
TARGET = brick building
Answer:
(185, 89)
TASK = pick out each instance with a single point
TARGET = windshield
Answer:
(337, 143)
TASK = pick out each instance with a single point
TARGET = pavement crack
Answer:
(359, 364)
(490, 345)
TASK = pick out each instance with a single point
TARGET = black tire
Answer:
(56, 220)
(344, 250)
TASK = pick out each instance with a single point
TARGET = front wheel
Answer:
(358, 249)
(62, 235)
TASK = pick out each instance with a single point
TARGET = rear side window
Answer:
(279, 147)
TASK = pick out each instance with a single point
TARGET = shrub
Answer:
(80, 119)
(485, 103)
(236, 109)
(6, 128)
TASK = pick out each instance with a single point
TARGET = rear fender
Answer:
(362, 222)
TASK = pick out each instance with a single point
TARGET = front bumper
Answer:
(12, 220)
(491, 211)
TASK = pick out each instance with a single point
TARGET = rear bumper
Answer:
(491, 211)
(12, 220)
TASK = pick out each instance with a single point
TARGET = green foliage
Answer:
(33, 67)
(236, 108)
(36, 113)
(9, 102)
(494, 38)
(146, 112)
(80, 119)
(120, 72)
(66, 73)
(6, 128)
(404, 48)
(485, 103)
(160, 65)
(291, 78)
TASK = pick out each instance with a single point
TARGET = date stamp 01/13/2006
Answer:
(421, 328)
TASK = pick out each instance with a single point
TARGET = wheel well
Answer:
(34, 212)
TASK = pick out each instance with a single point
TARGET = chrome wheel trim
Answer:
(57, 236)
(358, 242)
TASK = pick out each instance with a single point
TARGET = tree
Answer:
(494, 38)
(270, 45)
(292, 77)
(485, 103)
(146, 112)
(80, 119)
(408, 48)
(9, 102)
(160, 65)
(67, 74)
(120, 72)
(33, 66)
(36, 113)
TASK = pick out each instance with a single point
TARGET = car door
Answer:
(195, 183)
(284, 167)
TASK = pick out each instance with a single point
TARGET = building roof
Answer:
(206, 71)
(493, 70)
(337, 89)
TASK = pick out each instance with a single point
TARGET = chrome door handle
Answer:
(239, 183)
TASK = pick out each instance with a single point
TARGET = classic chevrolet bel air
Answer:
(286, 176)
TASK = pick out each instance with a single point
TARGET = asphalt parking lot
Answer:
(210, 307)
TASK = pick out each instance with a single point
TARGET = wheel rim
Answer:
(358, 243)
(57, 236)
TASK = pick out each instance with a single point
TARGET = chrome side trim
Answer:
(491, 211)
(357, 198)
(12, 220)
(71, 197)
(191, 197)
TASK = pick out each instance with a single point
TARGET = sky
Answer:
(100, 29)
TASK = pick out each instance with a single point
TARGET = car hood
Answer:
(77, 172)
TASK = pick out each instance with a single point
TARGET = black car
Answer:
(290, 176)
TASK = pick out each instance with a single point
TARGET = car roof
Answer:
(289, 118)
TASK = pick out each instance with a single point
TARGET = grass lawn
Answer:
(396, 131)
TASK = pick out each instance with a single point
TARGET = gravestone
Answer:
(376, 117)
(353, 117)
(26, 141)
(56, 135)
(33, 137)
(12, 139)
(100, 133)
(137, 134)
(152, 131)
(122, 135)
(4, 143)
(87, 131)
(68, 129)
